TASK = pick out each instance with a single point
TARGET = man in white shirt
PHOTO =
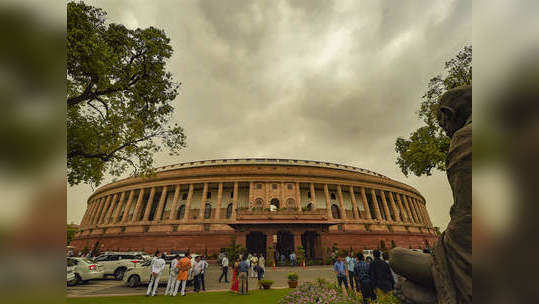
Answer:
(172, 276)
(157, 266)
(198, 266)
(203, 273)
(224, 265)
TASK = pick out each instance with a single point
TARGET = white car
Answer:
(84, 269)
(140, 273)
(368, 253)
(116, 264)
(70, 278)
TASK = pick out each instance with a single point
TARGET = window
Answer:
(258, 186)
(206, 227)
(114, 258)
(308, 194)
(208, 195)
(332, 195)
(231, 194)
(290, 187)
(184, 196)
(229, 210)
(181, 212)
(309, 207)
(207, 211)
(290, 203)
(335, 212)
(274, 186)
(259, 202)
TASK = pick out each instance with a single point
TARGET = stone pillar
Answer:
(281, 195)
(149, 205)
(386, 208)
(118, 208)
(113, 205)
(341, 202)
(96, 202)
(416, 208)
(174, 209)
(235, 202)
(203, 201)
(159, 212)
(408, 209)
(219, 201)
(376, 206)
(365, 203)
(128, 206)
(354, 203)
(297, 240)
(313, 196)
(404, 215)
(328, 206)
(414, 211)
(188, 203)
(396, 212)
(88, 214)
(251, 195)
(298, 197)
(104, 210)
(138, 206)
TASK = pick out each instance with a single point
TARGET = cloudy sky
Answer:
(335, 81)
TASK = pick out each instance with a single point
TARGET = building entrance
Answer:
(256, 242)
(310, 240)
(285, 244)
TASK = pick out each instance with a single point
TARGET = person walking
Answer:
(350, 263)
(254, 262)
(224, 268)
(203, 273)
(157, 265)
(292, 258)
(197, 270)
(243, 272)
(184, 265)
(235, 279)
(172, 276)
(361, 270)
(262, 263)
(340, 270)
(259, 274)
(380, 274)
(385, 256)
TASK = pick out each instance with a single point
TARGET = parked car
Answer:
(141, 272)
(368, 253)
(70, 276)
(117, 263)
(84, 270)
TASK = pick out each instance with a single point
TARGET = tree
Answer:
(427, 147)
(119, 96)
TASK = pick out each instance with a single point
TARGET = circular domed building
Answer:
(282, 203)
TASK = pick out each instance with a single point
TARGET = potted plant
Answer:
(292, 280)
(266, 283)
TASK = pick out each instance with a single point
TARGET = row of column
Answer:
(106, 210)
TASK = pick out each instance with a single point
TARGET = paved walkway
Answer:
(111, 287)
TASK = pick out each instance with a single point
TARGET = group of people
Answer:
(283, 258)
(367, 276)
(180, 271)
(247, 266)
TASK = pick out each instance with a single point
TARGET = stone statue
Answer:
(446, 275)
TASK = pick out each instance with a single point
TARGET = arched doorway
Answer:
(284, 246)
(256, 242)
(310, 240)
(274, 202)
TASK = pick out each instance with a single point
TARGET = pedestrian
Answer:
(368, 260)
(224, 268)
(243, 269)
(292, 258)
(381, 274)
(361, 271)
(385, 256)
(254, 262)
(172, 276)
(340, 270)
(197, 270)
(249, 265)
(184, 265)
(235, 279)
(350, 263)
(157, 265)
(262, 263)
(203, 273)
(259, 274)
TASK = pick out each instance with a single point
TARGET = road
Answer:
(111, 287)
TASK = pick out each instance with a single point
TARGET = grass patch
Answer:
(224, 297)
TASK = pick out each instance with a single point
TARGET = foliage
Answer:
(233, 251)
(266, 282)
(300, 254)
(71, 230)
(119, 96)
(427, 147)
(292, 276)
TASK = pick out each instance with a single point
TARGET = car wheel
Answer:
(133, 281)
(78, 279)
(119, 274)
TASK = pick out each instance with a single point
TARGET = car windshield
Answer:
(87, 261)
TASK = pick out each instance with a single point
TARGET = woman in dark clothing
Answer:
(380, 274)
(361, 271)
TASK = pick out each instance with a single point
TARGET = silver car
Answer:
(84, 269)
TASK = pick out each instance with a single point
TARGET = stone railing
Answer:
(280, 214)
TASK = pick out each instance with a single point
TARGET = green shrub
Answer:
(292, 276)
